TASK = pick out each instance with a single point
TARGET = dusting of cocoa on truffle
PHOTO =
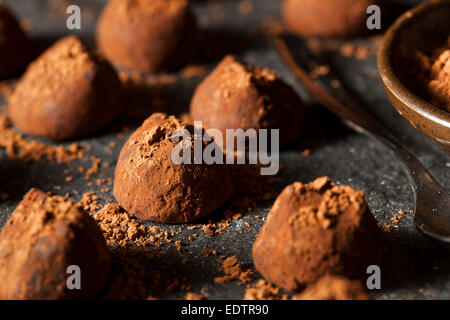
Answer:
(17, 147)
(234, 271)
(262, 290)
(149, 185)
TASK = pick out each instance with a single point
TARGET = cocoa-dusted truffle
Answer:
(43, 237)
(148, 36)
(66, 93)
(14, 44)
(237, 95)
(148, 184)
(332, 287)
(327, 18)
(316, 229)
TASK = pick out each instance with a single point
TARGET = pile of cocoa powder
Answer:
(431, 71)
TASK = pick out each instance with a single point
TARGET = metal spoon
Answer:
(432, 201)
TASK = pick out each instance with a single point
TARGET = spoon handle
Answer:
(354, 115)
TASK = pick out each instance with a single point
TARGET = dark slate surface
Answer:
(413, 268)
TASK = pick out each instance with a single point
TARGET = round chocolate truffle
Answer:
(66, 93)
(316, 229)
(148, 36)
(327, 18)
(43, 238)
(150, 185)
(14, 44)
(240, 96)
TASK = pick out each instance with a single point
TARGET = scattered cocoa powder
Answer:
(128, 277)
(89, 202)
(209, 230)
(195, 296)
(263, 290)
(94, 169)
(332, 287)
(234, 271)
(319, 71)
(17, 147)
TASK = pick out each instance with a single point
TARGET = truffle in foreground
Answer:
(43, 237)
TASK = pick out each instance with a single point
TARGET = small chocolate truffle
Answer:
(148, 36)
(332, 287)
(148, 184)
(15, 46)
(236, 95)
(327, 18)
(67, 93)
(316, 229)
(44, 236)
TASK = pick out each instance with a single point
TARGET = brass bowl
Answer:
(414, 30)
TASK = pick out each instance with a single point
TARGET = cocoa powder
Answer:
(234, 271)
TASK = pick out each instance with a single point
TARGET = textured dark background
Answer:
(413, 268)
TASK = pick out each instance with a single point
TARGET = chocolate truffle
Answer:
(332, 287)
(148, 184)
(43, 237)
(429, 75)
(14, 44)
(327, 18)
(316, 229)
(148, 36)
(67, 93)
(237, 95)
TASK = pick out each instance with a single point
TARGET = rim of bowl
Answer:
(391, 80)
